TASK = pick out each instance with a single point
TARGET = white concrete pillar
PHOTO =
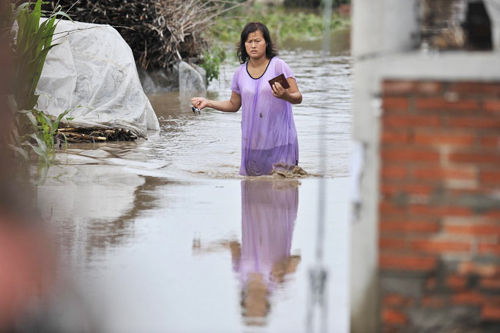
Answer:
(379, 28)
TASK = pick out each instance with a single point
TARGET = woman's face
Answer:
(255, 45)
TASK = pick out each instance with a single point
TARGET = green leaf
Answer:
(37, 10)
(40, 142)
(58, 120)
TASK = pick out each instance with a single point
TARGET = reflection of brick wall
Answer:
(439, 214)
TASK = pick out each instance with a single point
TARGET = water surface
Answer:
(163, 235)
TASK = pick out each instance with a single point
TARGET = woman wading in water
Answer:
(269, 137)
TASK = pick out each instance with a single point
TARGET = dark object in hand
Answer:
(281, 79)
(195, 110)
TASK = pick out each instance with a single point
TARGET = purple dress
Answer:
(269, 211)
(268, 134)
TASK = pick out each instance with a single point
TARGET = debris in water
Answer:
(93, 134)
(288, 171)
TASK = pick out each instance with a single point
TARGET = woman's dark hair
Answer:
(252, 27)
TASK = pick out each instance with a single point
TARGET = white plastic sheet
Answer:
(92, 73)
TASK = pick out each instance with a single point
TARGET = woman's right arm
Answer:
(232, 105)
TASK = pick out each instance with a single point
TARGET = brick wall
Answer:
(439, 214)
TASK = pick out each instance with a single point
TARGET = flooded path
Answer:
(162, 235)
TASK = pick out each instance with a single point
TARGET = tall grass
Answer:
(298, 24)
(35, 130)
(33, 42)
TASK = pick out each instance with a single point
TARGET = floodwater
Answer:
(163, 235)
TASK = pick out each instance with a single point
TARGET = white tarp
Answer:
(92, 73)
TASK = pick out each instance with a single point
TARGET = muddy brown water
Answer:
(163, 235)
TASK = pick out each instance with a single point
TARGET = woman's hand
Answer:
(278, 90)
(291, 94)
(199, 102)
(232, 105)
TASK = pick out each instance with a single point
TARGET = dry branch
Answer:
(158, 31)
(79, 135)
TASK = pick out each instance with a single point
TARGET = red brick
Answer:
(475, 157)
(407, 262)
(418, 189)
(490, 313)
(422, 189)
(484, 270)
(465, 191)
(493, 214)
(442, 104)
(398, 87)
(394, 172)
(485, 248)
(395, 137)
(437, 174)
(482, 88)
(391, 209)
(490, 177)
(394, 317)
(475, 122)
(396, 300)
(490, 283)
(456, 282)
(433, 302)
(431, 283)
(429, 87)
(386, 243)
(395, 103)
(434, 138)
(493, 299)
(409, 121)
(410, 155)
(471, 298)
(473, 229)
(490, 141)
(439, 246)
(409, 226)
(441, 211)
(389, 189)
(492, 106)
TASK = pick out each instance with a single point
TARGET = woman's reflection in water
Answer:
(262, 261)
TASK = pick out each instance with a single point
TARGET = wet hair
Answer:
(247, 30)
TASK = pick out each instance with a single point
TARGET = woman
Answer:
(269, 137)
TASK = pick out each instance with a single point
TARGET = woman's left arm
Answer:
(292, 94)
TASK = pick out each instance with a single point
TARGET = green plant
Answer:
(33, 42)
(41, 138)
(282, 23)
(34, 131)
(212, 60)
